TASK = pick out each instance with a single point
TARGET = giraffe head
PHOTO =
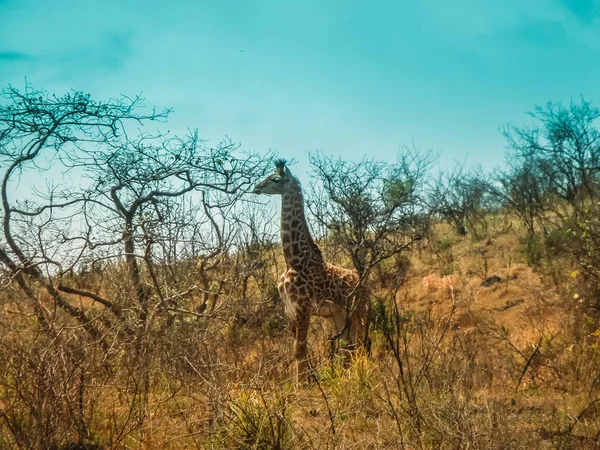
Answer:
(278, 183)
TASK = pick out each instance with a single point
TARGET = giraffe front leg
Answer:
(293, 326)
(290, 308)
(301, 346)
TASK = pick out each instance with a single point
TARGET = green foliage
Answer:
(448, 269)
(557, 241)
(252, 420)
(443, 243)
(397, 191)
(378, 315)
(274, 324)
(533, 249)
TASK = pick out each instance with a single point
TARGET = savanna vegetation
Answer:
(139, 306)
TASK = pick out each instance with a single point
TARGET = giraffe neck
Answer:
(300, 251)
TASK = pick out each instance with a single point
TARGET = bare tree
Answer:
(113, 225)
(125, 188)
(373, 210)
(35, 130)
(459, 197)
(139, 180)
(564, 147)
(553, 180)
(523, 190)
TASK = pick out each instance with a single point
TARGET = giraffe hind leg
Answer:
(344, 333)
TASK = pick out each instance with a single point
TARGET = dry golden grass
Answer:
(509, 366)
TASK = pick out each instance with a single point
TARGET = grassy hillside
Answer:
(453, 364)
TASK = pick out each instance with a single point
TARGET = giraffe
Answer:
(310, 286)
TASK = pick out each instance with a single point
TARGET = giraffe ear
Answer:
(287, 172)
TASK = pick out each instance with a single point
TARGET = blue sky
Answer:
(346, 77)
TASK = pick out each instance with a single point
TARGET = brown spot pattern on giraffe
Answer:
(310, 286)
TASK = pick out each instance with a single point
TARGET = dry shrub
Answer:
(481, 371)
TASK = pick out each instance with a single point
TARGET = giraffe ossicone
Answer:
(310, 286)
